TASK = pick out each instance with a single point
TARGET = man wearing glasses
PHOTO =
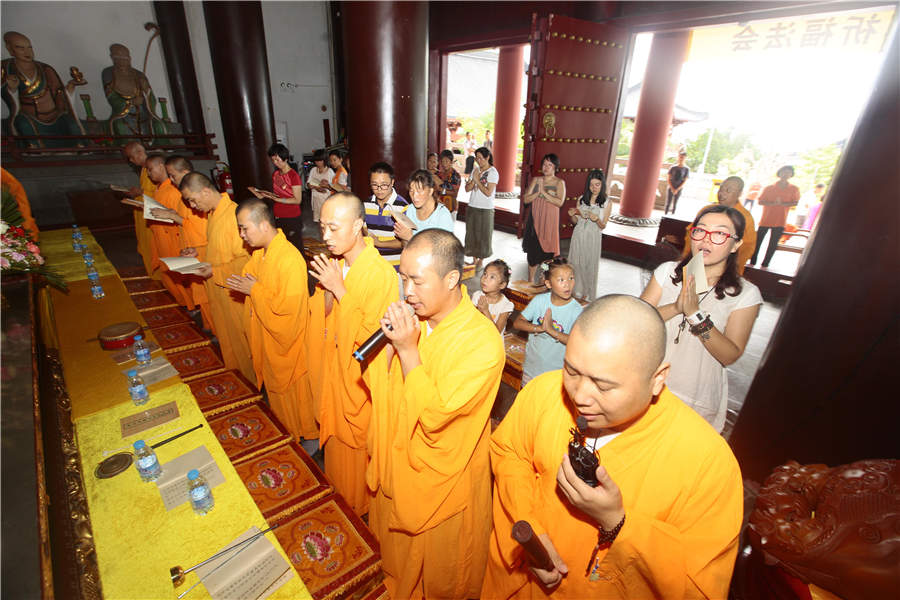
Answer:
(379, 208)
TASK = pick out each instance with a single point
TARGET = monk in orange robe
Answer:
(667, 507)
(226, 255)
(166, 236)
(355, 289)
(729, 195)
(430, 432)
(193, 235)
(18, 193)
(137, 156)
(276, 313)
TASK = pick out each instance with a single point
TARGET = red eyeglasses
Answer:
(716, 237)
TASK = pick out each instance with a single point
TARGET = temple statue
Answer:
(37, 100)
(130, 96)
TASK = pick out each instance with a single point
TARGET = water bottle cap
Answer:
(138, 337)
(139, 444)
(74, 226)
(132, 372)
(193, 474)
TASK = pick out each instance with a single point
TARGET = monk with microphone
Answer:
(356, 285)
(658, 517)
(430, 431)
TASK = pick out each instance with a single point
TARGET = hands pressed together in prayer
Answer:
(547, 323)
(241, 284)
(329, 273)
(603, 504)
(688, 302)
(403, 335)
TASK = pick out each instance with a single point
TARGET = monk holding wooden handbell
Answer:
(430, 429)
(356, 287)
(660, 518)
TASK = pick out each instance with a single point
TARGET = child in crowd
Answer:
(549, 319)
(490, 299)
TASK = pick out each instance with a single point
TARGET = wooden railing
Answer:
(100, 149)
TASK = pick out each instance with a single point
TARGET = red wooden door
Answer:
(575, 79)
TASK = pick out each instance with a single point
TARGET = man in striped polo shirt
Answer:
(379, 206)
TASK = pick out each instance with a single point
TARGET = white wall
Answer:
(212, 118)
(66, 34)
(298, 47)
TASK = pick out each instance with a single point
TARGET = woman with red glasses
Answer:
(708, 331)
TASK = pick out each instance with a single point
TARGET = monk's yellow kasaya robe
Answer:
(193, 235)
(167, 241)
(18, 193)
(145, 242)
(276, 314)
(345, 405)
(680, 484)
(429, 465)
(227, 255)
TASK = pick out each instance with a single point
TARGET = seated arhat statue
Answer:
(37, 100)
(130, 96)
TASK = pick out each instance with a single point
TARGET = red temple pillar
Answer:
(652, 124)
(507, 114)
(386, 66)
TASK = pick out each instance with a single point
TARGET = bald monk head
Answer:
(135, 153)
(177, 167)
(614, 361)
(199, 192)
(256, 223)
(341, 222)
(431, 266)
(730, 191)
(156, 168)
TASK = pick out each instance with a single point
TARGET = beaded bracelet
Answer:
(703, 328)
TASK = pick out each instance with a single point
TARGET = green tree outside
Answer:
(735, 148)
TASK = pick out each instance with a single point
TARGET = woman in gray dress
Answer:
(590, 216)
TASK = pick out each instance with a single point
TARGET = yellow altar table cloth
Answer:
(94, 380)
(137, 540)
(56, 248)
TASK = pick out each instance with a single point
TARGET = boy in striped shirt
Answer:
(379, 206)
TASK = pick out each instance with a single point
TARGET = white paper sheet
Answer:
(183, 264)
(173, 483)
(695, 267)
(252, 571)
(150, 204)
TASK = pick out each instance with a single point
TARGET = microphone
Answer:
(376, 341)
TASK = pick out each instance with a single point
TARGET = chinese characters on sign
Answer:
(857, 31)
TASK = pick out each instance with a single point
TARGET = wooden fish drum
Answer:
(119, 335)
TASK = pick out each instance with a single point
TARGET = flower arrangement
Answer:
(18, 254)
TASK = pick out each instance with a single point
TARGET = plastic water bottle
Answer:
(141, 351)
(137, 388)
(97, 290)
(146, 462)
(201, 496)
(86, 254)
(92, 274)
(76, 238)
